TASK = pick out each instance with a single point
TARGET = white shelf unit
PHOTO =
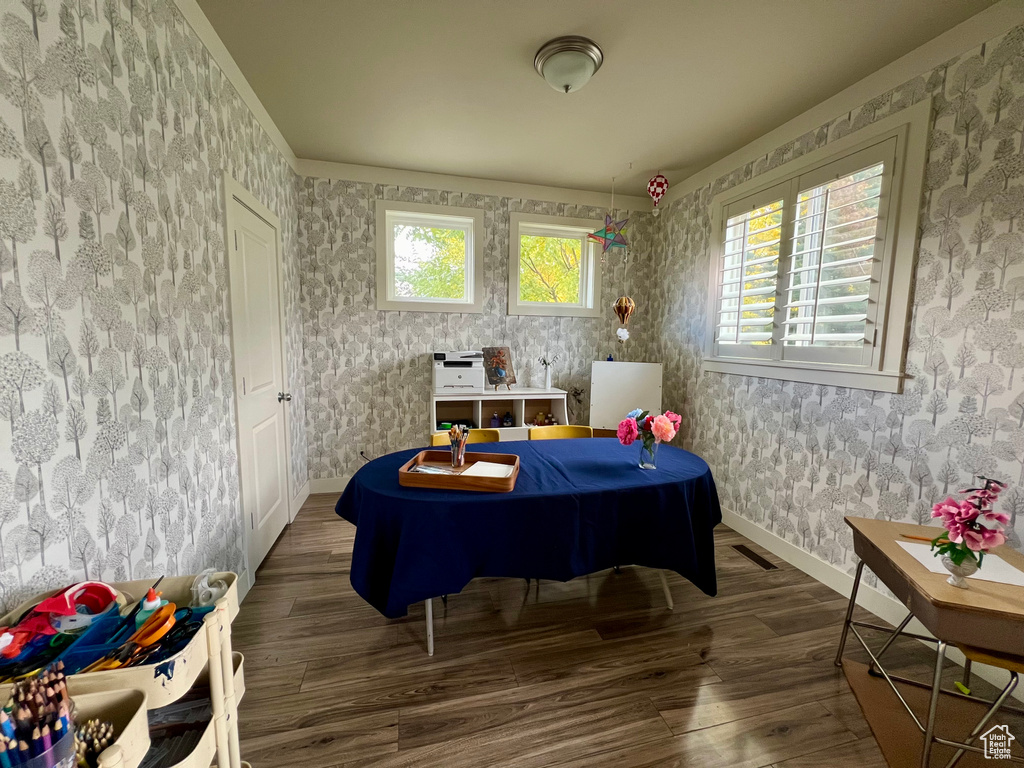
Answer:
(524, 403)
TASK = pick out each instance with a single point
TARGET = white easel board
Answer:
(617, 388)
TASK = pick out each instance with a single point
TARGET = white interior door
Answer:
(259, 378)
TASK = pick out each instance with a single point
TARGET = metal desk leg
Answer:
(429, 605)
(668, 594)
(996, 705)
(967, 673)
(889, 641)
(849, 613)
(933, 705)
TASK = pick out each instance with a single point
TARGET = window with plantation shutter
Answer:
(808, 261)
(833, 259)
(749, 275)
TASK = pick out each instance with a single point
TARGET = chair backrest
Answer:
(475, 436)
(560, 432)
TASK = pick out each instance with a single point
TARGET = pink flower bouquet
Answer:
(651, 430)
(967, 534)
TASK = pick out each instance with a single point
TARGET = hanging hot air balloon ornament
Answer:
(656, 188)
(624, 307)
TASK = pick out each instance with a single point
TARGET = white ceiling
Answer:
(448, 86)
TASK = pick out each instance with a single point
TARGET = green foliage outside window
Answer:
(430, 262)
(549, 269)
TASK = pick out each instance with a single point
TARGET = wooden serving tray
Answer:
(457, 482)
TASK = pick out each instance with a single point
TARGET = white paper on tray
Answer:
(487, 469)
(993, 568)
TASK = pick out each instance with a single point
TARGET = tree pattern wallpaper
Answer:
(368, 372)
(117, 431)
(795, 458)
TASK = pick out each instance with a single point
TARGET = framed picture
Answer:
(498, 367)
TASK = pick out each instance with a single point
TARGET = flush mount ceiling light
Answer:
(567, 63)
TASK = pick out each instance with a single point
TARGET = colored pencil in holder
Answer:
(35, 725)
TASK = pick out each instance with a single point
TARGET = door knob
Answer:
(286, 397)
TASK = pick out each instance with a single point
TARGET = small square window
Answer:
(429, 258)
(553, 266)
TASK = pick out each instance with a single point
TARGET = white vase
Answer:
(547, 377)
(960, 572)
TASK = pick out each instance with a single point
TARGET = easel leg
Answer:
(849, 613)
(664, 587)
(933, 705)
(429, 605)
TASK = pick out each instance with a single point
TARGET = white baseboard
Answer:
(298, 501)
(244, 585)
(327, 485)
(871, 599)
(884, 607)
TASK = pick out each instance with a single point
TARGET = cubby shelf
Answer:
(478, 406)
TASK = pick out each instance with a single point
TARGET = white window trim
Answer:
(884, 373)
(386, 300)
(590, 266)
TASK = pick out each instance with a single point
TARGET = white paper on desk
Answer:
(487, 469)
(993, 568)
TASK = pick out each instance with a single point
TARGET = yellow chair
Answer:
(475, 436)
(560, 432)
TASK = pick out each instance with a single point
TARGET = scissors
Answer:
(141, 644)
(180, 635)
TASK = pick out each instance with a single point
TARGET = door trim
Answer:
(234, 192)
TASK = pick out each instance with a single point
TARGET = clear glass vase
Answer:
(648, 455)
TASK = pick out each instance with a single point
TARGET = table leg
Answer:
(967, 673)
(895, 633)
(664, 587)
(429, 605)
(996, 705)
(849, 613)
(933, 705)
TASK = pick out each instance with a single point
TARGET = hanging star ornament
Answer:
(612, 236)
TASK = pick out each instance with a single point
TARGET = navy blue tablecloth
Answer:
(579, 506)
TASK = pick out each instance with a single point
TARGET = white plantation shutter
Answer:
(800, 264)
(812, 259)
(829, 295)
(748, 275)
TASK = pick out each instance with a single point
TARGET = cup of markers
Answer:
(36, 728)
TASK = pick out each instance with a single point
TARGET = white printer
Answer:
(458, 371)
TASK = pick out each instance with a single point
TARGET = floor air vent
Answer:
(755, 558)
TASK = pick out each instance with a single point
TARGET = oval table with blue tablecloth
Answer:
(579, 506)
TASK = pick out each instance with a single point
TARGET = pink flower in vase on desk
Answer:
(967, 537)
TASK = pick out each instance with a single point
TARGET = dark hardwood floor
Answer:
(595, 673)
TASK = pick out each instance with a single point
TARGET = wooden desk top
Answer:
(877, 543)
